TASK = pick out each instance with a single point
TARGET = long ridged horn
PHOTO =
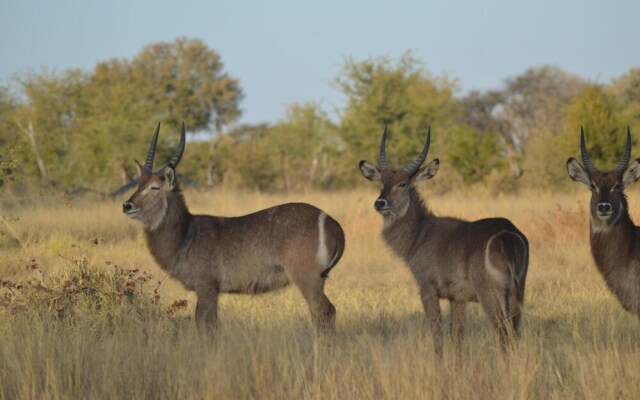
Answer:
(148, 165)
(624, 161)
(413, 167)
(175, 159)
(382, 160)
(585, 157)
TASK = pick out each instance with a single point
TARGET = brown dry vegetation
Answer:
(577, 341)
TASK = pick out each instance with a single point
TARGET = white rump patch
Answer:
(494, 273)
(322, 256)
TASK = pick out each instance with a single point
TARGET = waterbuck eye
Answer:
(402, 184)
(592, 186)
(154, 187)
(617, 186)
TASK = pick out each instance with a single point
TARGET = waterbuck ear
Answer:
(428, 171)
(370, 171)
(632, 173)
(169, 176)
(577, 172)
(139, 168)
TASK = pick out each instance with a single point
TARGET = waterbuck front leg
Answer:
(431, 304)
(207, 306)
(457, 321)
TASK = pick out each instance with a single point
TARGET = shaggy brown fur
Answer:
(615, 240)
(251, 254)
(450, 258)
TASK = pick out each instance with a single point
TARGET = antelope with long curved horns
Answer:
(482, 261)
(255, 253)
(615, 240)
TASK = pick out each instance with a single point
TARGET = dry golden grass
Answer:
(577, 341)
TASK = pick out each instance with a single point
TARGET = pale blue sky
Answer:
(287, 52)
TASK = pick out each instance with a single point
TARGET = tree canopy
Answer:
(75, 128)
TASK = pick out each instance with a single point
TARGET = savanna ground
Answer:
(80, 317)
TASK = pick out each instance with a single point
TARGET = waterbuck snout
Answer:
(615, 240)
(450, 258)
(254, 253)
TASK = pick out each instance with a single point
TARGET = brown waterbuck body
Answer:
(251, 254)
(450, 258)
(615, 240)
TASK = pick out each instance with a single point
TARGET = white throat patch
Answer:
(154, 223)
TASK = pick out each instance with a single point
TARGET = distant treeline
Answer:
(78, 129)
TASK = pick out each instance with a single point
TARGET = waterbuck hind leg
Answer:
(491, 303)
(516, 311)
(457, 322)
(325, 316)
(431, 305)
(323, 312)
(207, 307)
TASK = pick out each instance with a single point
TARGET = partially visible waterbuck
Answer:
(450, 258)
(615, 240)
(251, 254)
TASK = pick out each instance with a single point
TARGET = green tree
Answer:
(299, 151)
(84, 129)
(402, 95)
(306, 145)
(626, 88)
(185, 81)
(536, 100)
(7, 164)
(45, 124)
(7, 143)
(604, 120)
(475, 156)
(530, 104)
(171, 82)
(605, 124)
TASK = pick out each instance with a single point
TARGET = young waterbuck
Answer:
(251, 254)
(615, 240)
(450, 258)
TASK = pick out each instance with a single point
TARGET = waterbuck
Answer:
(251, 254)
(450, 258)
(615, 240)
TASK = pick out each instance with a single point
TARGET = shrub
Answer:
(85, 293)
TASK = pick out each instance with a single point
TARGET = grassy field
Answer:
(86, 324)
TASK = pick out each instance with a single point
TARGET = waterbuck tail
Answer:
(521, 267)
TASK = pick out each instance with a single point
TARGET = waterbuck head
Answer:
(398, 185)
(150, 201)
(608, 201)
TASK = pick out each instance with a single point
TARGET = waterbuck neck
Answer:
(167, 239)
(404, 233)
